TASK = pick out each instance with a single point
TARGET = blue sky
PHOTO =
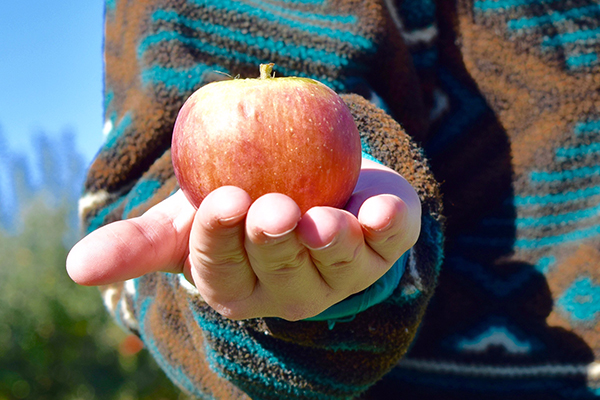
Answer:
(51, 72)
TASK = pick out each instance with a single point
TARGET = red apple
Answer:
(289, 135)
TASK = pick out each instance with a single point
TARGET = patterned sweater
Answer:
(497, 100)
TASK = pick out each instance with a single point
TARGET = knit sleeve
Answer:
(157, 53)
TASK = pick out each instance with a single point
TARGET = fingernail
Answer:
(231, 220)
(383, 228)
(278, 235)
(318, 248)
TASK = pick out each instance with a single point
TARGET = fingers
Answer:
(388, 208)
(271, 242)
(287, 279)
(390, 227)
(351, 253)
(218, 264)
(158, 240)
(304, 264)
(338, 250)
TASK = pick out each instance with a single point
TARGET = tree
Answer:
(56, 339)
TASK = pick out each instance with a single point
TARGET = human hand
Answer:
(263, 258)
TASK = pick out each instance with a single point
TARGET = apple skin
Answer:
(288, 135)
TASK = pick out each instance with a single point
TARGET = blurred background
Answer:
(56, 340)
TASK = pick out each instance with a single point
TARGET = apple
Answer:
(288, 135)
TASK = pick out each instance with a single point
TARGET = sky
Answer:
(51, 72)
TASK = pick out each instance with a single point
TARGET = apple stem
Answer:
(266, 71)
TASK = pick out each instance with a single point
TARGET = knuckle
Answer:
(149, 232)
(345, 259)
(208, 257)
(282, 263)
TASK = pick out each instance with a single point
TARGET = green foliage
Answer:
(56, 339)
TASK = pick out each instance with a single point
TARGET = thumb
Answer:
(156, 241)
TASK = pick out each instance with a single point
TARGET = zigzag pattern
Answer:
(322, 42)
(566, 205)
(569, 29)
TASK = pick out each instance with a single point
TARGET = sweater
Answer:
(489, 108)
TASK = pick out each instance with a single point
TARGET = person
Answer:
(464, 264)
